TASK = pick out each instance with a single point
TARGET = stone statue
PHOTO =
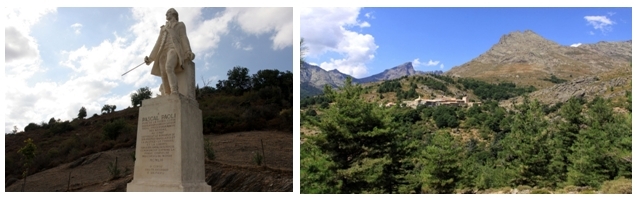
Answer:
(173, 58)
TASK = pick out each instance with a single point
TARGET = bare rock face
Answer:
(583, 87)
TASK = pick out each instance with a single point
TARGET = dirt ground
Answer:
(233, 170)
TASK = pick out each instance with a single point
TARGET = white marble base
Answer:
(169, 151)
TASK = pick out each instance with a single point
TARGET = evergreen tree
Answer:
(360, 142)
(318, 172)
(561, 139)
(82, 113)
(597, 154)
(525, 149)
(442, 164)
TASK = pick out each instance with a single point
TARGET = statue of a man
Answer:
(171, 53)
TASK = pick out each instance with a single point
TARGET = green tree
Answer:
(562, 138)
(274, 78)
(106, 108)
(360, 135)
(599, 152)
(442, 168)
(28, 152)
(141, 94)
(82, 113)
(238, 81)
(52, 121)
(525, 147)
(318, 172)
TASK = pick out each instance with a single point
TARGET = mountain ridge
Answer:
(314, 77)
(526, 58)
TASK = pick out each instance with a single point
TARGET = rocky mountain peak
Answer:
(524, 40)
(407, 68)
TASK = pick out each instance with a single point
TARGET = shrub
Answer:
(59, 128)
(618, 186)
(257, 158)
(113, 170)
(31, 126)
(311, 112)
(132, 156)
(113, 129)
(210, 152)
(325, 105)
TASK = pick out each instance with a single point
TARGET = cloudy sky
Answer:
(365, 41)
(60, 59)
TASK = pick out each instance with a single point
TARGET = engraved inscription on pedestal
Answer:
(157, 142)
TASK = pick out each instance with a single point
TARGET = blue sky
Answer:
(60, 59)
(365, 41)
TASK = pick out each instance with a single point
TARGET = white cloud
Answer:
(369, 15)
(238, 45)
(96, 70)
(416, 62)
(329, 32)
(576, 45)
(601, 23)
(364, 24)
(611, 13)
(20, 47)
(432, 63)
(77, 27)
(276, 20)
(591, 33)
(442, 66)
(22, 61)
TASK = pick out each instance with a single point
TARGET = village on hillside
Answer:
(448, 101)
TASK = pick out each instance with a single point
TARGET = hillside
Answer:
(609, 85)
(236, 119)
(351, 144)
(527, 58)
(233, 170)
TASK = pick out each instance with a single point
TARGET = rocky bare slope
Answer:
(607, 85)
(526, 58)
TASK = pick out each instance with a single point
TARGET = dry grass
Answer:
(618, 186)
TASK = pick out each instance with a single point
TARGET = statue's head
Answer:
(172, 13)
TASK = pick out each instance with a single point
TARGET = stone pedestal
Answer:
(169, 153)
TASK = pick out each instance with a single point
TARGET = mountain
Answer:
(316, 77)
(527, 58)
(313, 78)
(405, 69)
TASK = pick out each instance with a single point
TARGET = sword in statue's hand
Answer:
(133, 68)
